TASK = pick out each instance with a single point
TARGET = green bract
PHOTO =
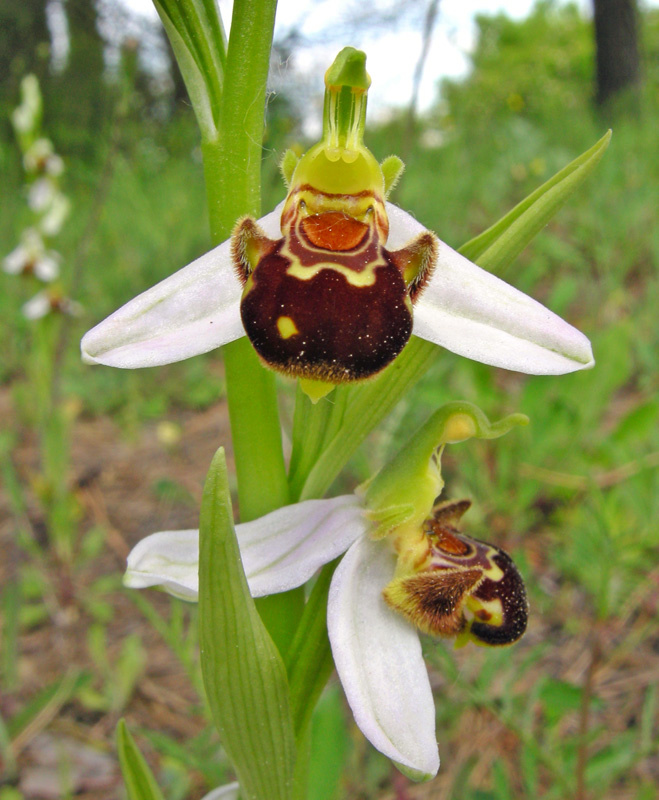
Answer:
(405, 489)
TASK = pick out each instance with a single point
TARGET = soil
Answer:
(133, 487)
(118, 485)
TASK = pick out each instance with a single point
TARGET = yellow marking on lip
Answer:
(286, 327)
(493, 607)
(358, 279)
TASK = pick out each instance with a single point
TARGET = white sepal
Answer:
(193, 311)
(378, 658)
(169, 559)
(279, 551)
(283, 549)
(473, 313)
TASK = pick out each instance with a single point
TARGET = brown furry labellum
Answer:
(467, 588)
(328, 301)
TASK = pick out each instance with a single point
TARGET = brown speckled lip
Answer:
(345, 332)
(453, 553)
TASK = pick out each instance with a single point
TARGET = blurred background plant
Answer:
(38, 264)
(571, 711)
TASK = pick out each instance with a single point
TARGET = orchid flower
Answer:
(331, 284)
(41, 158)
(32, 258)
(27, 116)
(49, 301)
(407, 569)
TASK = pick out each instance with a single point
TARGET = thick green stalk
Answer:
(232, 168)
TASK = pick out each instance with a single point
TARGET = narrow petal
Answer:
(283, 549)
(191, 312)
(228, 792)
(378, 658)
(169, 559)
(280, 551)
(473, 313)
(37, 307)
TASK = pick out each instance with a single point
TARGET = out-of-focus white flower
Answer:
(41, 157)
(27, 116)
(37, 307)
(50, 301)
(41, 194)
(32, 258)
(51, 222)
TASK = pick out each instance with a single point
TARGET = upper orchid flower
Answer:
(331, 284)
(407, 568)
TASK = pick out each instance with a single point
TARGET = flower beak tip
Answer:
(85, 354)
(418, 775)
(87, 359)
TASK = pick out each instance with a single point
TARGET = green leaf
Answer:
(138, 778)
(559, 698)
(500, 244)
(357, 410)
(648, 718)
(309, 659)
(47, 703)
(196, 33)
(330, 746)
(244, 674)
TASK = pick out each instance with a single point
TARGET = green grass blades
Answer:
(504, 240)
(244, 674)
(138, 778)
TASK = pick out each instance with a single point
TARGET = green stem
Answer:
(232, 168)
(361, 409)
(309, 660)
(309, 433)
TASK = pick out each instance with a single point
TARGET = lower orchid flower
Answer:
(32, 258)
(330, 285)
(407, 569)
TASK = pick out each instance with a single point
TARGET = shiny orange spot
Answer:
(449, 543)
(334, 230)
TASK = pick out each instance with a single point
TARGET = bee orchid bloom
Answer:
(331, 284)
(407, 569)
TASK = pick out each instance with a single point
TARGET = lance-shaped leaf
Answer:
(244, 674)
(500, 243)
(138, 778)
(196, 33)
